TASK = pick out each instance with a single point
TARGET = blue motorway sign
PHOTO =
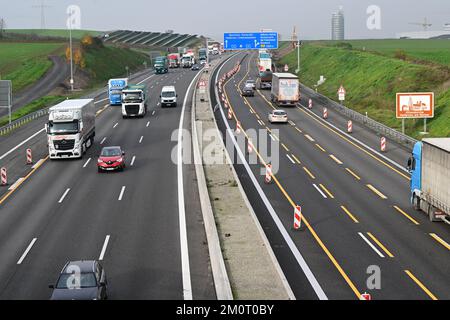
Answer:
(246, 41)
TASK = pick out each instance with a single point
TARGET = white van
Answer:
(168, 97)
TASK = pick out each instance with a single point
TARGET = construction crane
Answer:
(424, 24)
(42, 7)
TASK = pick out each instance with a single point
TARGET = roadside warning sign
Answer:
(415, 105)
(342, 93)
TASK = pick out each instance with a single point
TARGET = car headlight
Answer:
(99, 161)
(120, 160)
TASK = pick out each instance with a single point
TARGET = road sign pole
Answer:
(403, 126)
(425, 125)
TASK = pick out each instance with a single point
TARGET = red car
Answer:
(111, 159)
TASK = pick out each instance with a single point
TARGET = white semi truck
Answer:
(430, 178)
(134, 101)
(70, 128)
(285, 89)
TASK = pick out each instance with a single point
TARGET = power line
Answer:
(42, 7)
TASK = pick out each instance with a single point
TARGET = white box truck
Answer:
(70, 128)
(430, 178)
(285, 89)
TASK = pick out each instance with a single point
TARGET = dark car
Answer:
(81, 280)
(195, 67)
(248, 91)
(251, 83)
(111, 159)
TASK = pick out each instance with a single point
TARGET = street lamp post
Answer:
(298, 57)
(71, 54)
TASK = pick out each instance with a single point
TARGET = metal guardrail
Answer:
(376, 126)
(20, 122)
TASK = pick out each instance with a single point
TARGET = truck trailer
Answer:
(70, 128)
(161, 65)
(430, 178)
(174, 60)
(134, 101)
(285, 89)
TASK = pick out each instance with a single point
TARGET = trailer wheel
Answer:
(432, 214)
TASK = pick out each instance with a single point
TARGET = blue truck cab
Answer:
(415, 168)
(115, 87)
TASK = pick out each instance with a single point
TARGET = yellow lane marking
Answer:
(357, 146)
(438, 239)
(327, 191)
(261, 123)
(349, 214)
(406, 215)
(296, 159)
(6, 196)
(421, 285)
(320, 147)
(257, 115)
(382, 196)
(307, 136)
(292, 123)
(285, 148)
(336, 159)
(275, 137)
(380, 245)
(305, 220)
(298, 130)
(268, 129)
(309, 173)
(353, 174)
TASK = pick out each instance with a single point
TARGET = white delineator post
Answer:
(366, 296)
(29, 156)
(268, 178)
(310, 103)
(230, 114)
(250, 146)
(297, 217)
(4, 177)
(350, 126)
(383, 144)
(325, 113)
(238, 127)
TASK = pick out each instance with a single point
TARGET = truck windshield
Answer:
(132, 97)
(58, 128)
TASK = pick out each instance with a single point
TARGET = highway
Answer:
(355, 203)
(151, 245)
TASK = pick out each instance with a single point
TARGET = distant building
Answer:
(338, 25)
(444, 34)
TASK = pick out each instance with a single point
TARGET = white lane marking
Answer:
(21, 144)
(64, 196)
(101, 100)
(38, 164)
(146, 79)
(14, 186)
(309, 138)
(148, 124)
(335, 159)
(105, 245)
(140, 140)
(185, 268)
(371, 245)
(87, 162)
(261, 123)
(292, 123)
(122, 191)
(298, 256)
(24, 255)
(115, 125)
(320, 191)
(152, 87)
(271, 136)
(103, 141)
(290, 159)
(132, 161)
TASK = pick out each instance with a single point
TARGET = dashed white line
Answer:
(64, 196)
(290, 159)
(24, 255)
(105, 245)
(320, 191)
(371, 245)
(103, 141)
(335, 159)
(148, 124)
(115, 125)
(132, 161)
(121, 193)
(87, 162)
(140, 140)
(309, 138)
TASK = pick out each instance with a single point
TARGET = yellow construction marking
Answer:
(257, 116)
(336, 159)
(349, 214)
(305, 220)
(296, 159)
(298, 130)
(355, 145)
(309, 173)
(320, 147)
(438, 239)
(380, 245)
(327, 191)
(353, 174)
(268, 129)
(382, 196)
(285, 148)
(406, 215)
(421, 285)
(275, 137)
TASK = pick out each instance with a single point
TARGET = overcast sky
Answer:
(213, 18)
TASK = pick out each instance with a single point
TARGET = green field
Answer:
(25, 63)
(373, 79)
(60, 33)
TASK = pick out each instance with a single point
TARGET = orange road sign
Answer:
(415, 105)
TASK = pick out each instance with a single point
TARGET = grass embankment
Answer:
(57, 33)
(25, 63)
(373, 79)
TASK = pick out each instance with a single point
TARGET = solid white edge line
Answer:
(293, 162)
(122, 191)
(356, 140)
(24, 255)
(21, 144)
(87, 162)
(105, 245)
(185, 268)
(298, 256)
(64, 196)
(371, 245)
(14, 186)
(320, 191)
(132, 161)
